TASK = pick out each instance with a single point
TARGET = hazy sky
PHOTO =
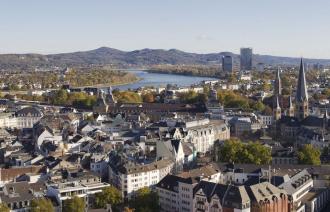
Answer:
(277, 27)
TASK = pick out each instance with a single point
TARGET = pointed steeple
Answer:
(277, 111)
(290, 102)
(277, 83)
(301, 110)
(301, 94)
(291, 107)
(109, 97)
(100, 98)
(277, 103)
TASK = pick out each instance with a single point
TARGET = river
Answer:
(161, 80)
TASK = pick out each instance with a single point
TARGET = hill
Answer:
(137, 58)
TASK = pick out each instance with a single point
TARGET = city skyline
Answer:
(278, 28)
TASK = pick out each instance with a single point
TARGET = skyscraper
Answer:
(227, 63)
(301, 94)
(246, 59)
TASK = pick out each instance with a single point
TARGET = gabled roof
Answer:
(229, 193)
(264, 191)
(29, 111)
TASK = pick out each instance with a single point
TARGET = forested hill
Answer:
(137, 58)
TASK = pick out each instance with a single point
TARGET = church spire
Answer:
(291, 108)
(277, 84)
(301, 94)
(277, 110)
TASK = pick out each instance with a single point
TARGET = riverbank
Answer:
(138, 79)
(187, 70)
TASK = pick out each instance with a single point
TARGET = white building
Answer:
(24, 118)
(297, 187)
(129, 176)
(85, 187)
(266, 120)
(187, 194)
(172, 149)
(201, 134)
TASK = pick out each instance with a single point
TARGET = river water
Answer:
(161, 80)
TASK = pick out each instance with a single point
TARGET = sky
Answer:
(275, 27)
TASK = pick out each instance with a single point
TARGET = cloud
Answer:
(203, 38)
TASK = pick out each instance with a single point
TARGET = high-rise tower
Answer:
(227, 64)
(246, 59)
(301, 111)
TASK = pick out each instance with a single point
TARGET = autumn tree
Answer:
(4, 207)
(148, 97)
(127, 97)
(41, 205)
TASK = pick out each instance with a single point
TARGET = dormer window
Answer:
(11, 190)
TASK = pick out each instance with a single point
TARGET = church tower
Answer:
(100, 106)
(277, 92)
(277, 84)
(301, 111)
(277, 110)
(110, 100)
(291, 108)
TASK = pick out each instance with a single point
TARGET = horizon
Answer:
(275, 27)
(237, 53)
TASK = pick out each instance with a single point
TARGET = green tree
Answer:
(230, 151)
(60, 97)
(234, 150)
(309, 155)
(326, 92)
(145, 200)
(75, 204)
(258, 154)
(41, 205)
(4, 207)
(259, 106)
(109, 195)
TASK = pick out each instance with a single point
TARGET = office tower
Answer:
(227, 64)
(246, 59)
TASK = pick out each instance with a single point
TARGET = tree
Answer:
(230, 151)
(148, 97)
(326, 92)
(4, 207)
(109, 195)
(127, 97)
(41, 205)
(259, 106)
(75, 204)
(127, 209)
(309, 155)
(60, 97)
(234, 150)
(145, 200)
